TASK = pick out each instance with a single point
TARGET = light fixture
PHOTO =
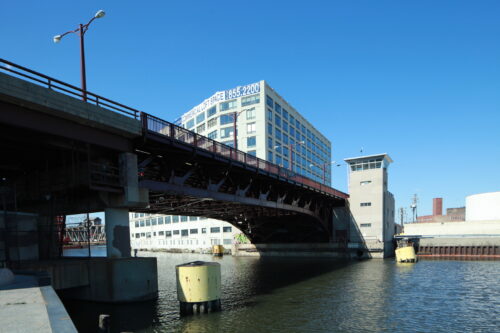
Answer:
(57, 38)
(100, 13)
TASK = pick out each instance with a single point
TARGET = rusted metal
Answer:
(479, 252)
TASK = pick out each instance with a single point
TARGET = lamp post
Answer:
(81, 30)
(323, 166)
(235, 115)
(291, 145)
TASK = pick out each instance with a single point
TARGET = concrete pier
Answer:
(27, 307)
(117, 232)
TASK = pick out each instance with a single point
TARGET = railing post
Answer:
(172, 133)
(214, 147)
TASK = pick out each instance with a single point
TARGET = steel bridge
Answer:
(66, 157)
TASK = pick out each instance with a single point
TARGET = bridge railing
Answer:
(163, 127)
(65, 88)
(160, 126)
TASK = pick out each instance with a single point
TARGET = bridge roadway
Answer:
(62, 155)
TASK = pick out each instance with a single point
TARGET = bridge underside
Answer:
(183, 180)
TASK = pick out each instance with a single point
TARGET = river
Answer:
(319, 295)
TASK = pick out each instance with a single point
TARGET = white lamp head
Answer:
(57, 38)
(100, 13)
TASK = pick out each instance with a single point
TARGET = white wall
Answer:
(466, 228)
(482, 207)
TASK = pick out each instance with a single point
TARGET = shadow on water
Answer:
(128, 317)
(244, 281)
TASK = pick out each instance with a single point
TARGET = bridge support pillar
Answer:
(117, 232)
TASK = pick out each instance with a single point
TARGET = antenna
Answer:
(413, 206)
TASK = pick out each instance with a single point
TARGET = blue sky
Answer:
(417, 79)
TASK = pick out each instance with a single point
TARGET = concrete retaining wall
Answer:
(331, 250)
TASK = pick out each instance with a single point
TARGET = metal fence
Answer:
(160, 126)
(65, 88)
(157, 125)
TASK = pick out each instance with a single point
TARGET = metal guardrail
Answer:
(157, 125)
(160, 126)
(65, 88)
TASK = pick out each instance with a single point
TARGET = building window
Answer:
(167, 219)
(269, 101)
(160, 220)
(277, 120)
(365, 204)
(249, 100)
(227, 241)
(250, 114)
(226, 119)
(203, 230)
(148, 222)
(227, 229)
(200, 128)
(214, 230)
(175, 219)
(153, 221)
(193, 218)
(252, 152)
(269, 128)
(285, 114)
(212, 122)
(184, 232)
(161, 233)
(251, 141)
(285, 126)
(176, 232)
(269, 114)
(270, 143)
(211, 111)
(270, 156)
(277, 108)
(193, 231)
(365, 225)
(365, 182)
(212, 135)
(226, 132)
(190, 123)
(228, 105)
(251, 128)
(168, 233)
(136, 224)
(278, 134)
(200, 118)
(229, 143)
(184, 218)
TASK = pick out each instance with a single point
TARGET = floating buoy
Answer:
(198, 287)
(218, 250)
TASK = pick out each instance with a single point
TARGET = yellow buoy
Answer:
(218, 250)
(198, 287)
(405, 252)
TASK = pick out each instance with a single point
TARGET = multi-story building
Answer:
(371, 205)
(255, 119)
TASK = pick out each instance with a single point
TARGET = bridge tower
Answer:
(371, 205)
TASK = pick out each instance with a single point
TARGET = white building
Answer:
(268, 127)
(170, 232)
(371, 204)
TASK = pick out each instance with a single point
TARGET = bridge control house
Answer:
(255, 119)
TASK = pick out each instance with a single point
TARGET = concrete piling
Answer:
(198, 287)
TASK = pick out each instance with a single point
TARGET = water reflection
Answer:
(321, 295)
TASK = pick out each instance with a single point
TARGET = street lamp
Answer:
(291, 145)
(81, 30)
(235, 115)
(323, 166)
